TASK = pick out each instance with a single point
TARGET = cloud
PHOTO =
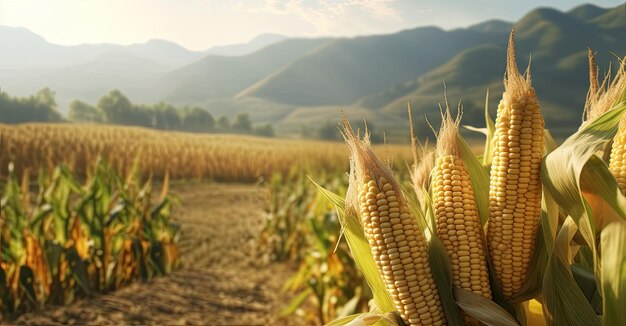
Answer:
(327, 15)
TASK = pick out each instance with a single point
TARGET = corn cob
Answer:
(601, 101)
(457, 221)
(617, 160)
(515, 187)
(394, 236)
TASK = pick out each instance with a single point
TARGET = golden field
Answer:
(216, 157)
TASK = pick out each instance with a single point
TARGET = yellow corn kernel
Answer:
(617, 160)
(457, 222)
(400, 252)
(394, 235)
(515, 186)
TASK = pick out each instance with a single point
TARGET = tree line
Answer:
(116, 108)
(40, 107)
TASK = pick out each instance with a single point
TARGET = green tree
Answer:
(84, 112)
(328, 131)
(198, 120)
(266, 130)
(40, 107)
(46, 97)
(116, 108)
(171, 117)
(242, 123)
(223, 123)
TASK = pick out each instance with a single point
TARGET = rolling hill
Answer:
(558, 43)
(28, 63)
(348, 69)
(299, 82)
(253, 45)
(220, 76)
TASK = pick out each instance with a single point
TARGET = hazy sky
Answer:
(199, 24)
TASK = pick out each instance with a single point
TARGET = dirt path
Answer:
(222, 281)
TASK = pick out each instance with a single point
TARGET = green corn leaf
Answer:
(337, 200)
(563, 299)
(367, 319)
(53, 252)
(361, 252)
(156, 257)
(137, 249)
(562, 169)
(40, 214)
(442, 273)
(7, 302)
(480, 179)
(483, 309)
(595, 178)
(349, 307)
(586, 281)
(79, 269)
(569, 171)
(345, 320)
(27, 283)
(613, 258)
(549, 220)
(296, 302)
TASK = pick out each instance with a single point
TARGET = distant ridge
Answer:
(494, 25)
(587, 12)
(257, 43)
(297, 82)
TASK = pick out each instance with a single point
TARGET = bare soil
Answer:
(222, 279)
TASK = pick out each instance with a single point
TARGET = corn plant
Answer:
(74, 239)
(184, 155)
(530, 233)
(302, 227)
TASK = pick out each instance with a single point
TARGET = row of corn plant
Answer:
(61, 238)
(528, 233)
(302, 227)
(183, 155)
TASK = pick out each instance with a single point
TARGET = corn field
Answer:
(301, 226)
(62, 239)
(527, 233)
(229, 158)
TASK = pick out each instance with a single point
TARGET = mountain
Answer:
(253, 45)
(614, 18)
(347, 69)
(163, 52)
(558, 44)
(220, 76)
(20, 48)
(28, 63)
(494, 25)
(298, 83)
(587, 12)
